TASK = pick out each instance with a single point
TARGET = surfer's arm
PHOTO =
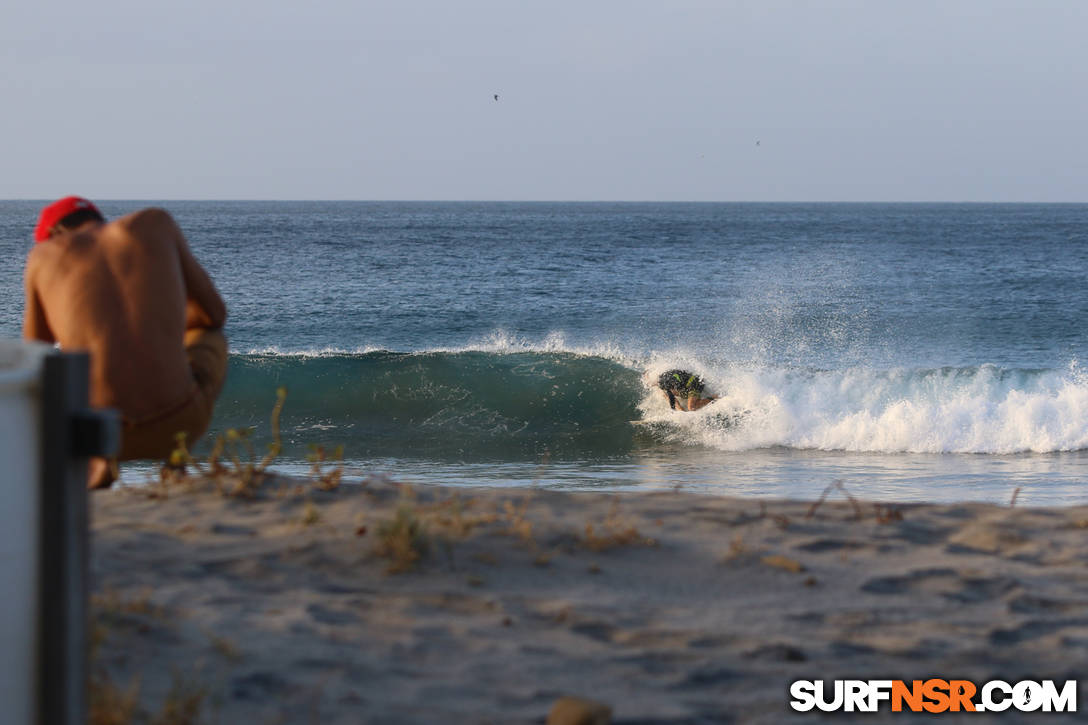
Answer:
(695, 402)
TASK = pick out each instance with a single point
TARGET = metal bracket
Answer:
(95, 433)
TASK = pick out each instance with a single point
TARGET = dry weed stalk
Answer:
(451, 517)
(736, 548)
(516, 523)
(242, 469)
(886, 514)
(232, 464)
(406, 538)
(182, 704)
(521, 527)
(310, 514)
(224, 646)
(882, 513)
(110, 603)
(777, 561)
(837, 483)
(613, 532)
(107, 704)
(326, 479)
(402, 540)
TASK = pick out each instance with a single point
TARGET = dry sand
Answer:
(674, 608)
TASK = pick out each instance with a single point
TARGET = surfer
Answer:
(131, 293)
(684, 390)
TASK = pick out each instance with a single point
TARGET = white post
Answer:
(20, 474)
(47, 433)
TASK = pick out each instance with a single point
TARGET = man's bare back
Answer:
(125, 291)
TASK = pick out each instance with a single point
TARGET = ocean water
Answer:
(910, 351)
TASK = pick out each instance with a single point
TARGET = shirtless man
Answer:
(684, 390)
(131, 294)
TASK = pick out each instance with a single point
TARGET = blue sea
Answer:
(911, 351)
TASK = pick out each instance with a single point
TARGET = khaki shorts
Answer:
(156, 437)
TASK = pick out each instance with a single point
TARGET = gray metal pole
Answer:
(70, 434)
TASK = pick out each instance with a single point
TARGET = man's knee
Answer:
(210, 340)
(207, 353)
(101, 473)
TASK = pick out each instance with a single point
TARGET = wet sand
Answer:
(295, 606)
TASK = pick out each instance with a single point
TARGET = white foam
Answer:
(497, 342)
(972, 410)
(276, 351)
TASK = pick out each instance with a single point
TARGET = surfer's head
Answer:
(680, 384)
(68, 213)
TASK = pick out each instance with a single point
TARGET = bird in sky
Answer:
(757, 143)
(496, 96)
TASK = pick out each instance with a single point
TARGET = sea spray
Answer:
(984, 410)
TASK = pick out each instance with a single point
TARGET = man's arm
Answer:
(204, 308)
(695, 402)
(35, 325)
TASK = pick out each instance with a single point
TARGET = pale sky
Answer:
(897, 100)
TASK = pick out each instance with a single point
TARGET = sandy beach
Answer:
(391, 603)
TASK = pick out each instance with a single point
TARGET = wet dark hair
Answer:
(679, 382)
(77, 218)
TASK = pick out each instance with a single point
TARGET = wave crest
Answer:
(509, 402)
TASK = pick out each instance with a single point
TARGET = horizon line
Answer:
(534, 201)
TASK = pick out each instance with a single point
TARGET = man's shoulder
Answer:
(33, 259)
(42, 253)
(152, 225)
(152, 216)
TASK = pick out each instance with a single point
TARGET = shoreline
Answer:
(386, 603)
(868, 476)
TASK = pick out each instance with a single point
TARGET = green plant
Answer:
(452, 517)
(109, 603)
(241, 468)
(310, 514)
(612, 532)
(182, 704)
(516, 523)
(107, 704)
(326, 479)
(233, 466)
(402, 540)
(224, 646)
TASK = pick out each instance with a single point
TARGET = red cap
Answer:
(57, 211)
